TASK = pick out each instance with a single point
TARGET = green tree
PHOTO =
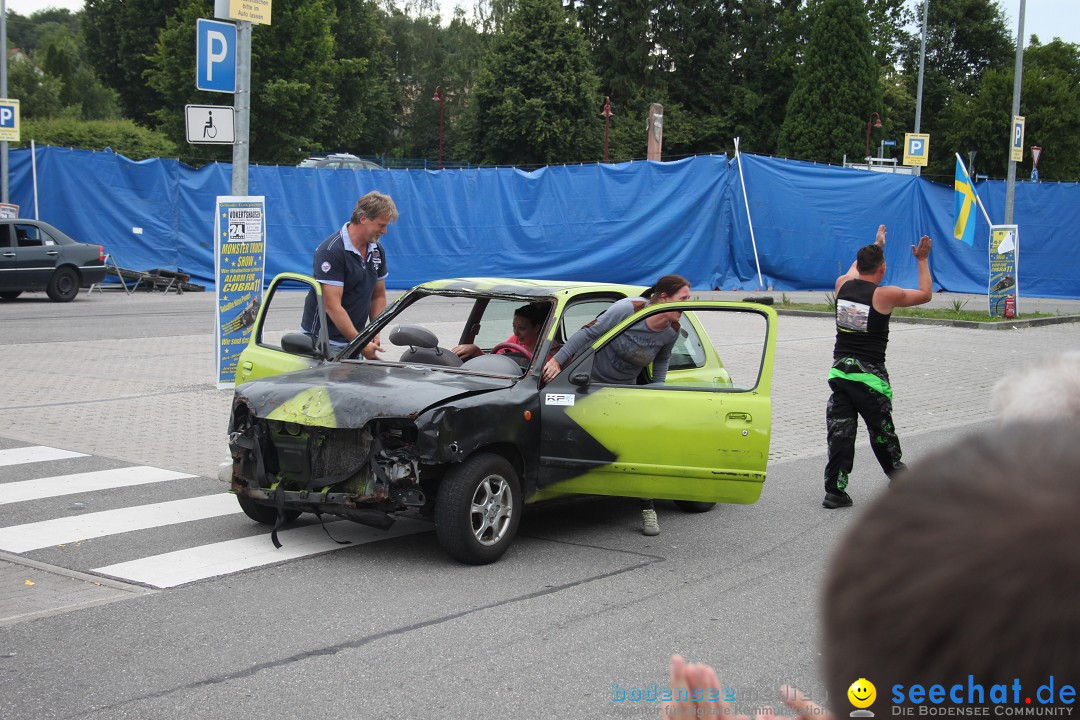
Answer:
(837, 86)
(121, 36)
(536, 96)
(362, 114)
(38, 93)
(1049, 102)
(964, 39)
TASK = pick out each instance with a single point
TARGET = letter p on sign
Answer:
(215, 56)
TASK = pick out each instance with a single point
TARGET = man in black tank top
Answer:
(859, 381)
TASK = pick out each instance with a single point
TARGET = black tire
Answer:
(265, 514)
(478, 509)
(10, 294)
(63, 285)
(694, 506)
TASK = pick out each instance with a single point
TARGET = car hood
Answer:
(349, 394)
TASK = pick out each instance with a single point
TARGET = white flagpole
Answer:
(749, 220)
(971, 182)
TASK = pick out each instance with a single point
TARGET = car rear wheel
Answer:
(694, 506)
(10, 294)
(64, 285)
(478, 509)
(265, 514)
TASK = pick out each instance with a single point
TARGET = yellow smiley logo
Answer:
(862, 693)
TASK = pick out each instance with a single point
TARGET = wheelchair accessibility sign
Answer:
(916, 148)
(211, 124)
(9, 120)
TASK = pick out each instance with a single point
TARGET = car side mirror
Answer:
(580, 379)
(299, 344)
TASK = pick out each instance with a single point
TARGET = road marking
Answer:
(35, 453)
(223, 558)
(84, 482)
(33, 536)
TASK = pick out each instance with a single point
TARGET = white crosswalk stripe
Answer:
(206, 561)
(22, 538)
(35, 453)
(170, 568)
(24, 490)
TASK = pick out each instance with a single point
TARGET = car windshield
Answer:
(457, 320)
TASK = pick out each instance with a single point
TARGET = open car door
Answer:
(277, 345)
(702, 435)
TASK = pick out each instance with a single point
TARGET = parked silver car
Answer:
(34, 255)
(340, 160)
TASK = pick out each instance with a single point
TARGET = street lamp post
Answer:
(439, 97)
(606, 113)
(877, 124)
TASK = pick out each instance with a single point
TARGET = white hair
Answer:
(1049, 389)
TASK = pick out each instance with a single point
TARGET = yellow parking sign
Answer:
(916, 148)
(9, 120)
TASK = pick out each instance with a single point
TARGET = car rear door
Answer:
(9, 280)
(38, 253)
(702, 435)
(276, 343)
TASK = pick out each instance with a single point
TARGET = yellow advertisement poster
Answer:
(253, 11)
(1003, 291)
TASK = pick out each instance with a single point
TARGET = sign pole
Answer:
(3, 93)
(1018, 72)
(242, 102)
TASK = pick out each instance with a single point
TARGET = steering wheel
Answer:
(514, 347)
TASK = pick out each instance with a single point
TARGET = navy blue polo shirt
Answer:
(337, 262)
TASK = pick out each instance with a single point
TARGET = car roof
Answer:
(526, 287)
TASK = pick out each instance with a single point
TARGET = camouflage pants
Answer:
(859, 388)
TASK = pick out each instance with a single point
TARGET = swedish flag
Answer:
(963, 206)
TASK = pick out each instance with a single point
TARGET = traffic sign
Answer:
(888, 143)
(210, 124)
(916, 148)
(9, 120)
(1017, 148)
(215, 56)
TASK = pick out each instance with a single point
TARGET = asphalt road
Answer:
(581, 608)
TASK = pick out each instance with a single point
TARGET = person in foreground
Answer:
(622, 360)
(965, 577)
(351, 267)
(858, 378)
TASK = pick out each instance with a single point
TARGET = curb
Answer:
(969, 324)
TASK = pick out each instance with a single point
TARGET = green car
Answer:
(471, 443)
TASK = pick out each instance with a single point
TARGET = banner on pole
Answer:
(239, 263)
(1003, 290)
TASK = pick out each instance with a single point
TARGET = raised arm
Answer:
(890, 296)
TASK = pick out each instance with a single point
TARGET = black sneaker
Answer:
(836, 500)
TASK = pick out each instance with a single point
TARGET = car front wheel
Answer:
(478, 509)
(64, 285)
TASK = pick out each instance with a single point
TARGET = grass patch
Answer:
(950, 313)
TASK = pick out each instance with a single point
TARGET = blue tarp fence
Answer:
(627, 222)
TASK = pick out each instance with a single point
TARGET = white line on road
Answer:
(24, 490)
(35, 453)
(32, 536)
(198, 563)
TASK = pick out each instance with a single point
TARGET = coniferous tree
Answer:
(837, 86)
(536, 95)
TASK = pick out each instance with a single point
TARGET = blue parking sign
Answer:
(9, 120)
(215, 56)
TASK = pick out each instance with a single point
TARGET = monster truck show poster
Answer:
(1004, 291)
(239, 261)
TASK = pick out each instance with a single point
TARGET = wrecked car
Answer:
(471, 443)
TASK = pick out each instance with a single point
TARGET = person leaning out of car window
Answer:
(622, 360)
(351, 267)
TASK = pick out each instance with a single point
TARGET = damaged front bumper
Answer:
(362, 474)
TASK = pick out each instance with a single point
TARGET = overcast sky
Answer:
(1046, 18)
